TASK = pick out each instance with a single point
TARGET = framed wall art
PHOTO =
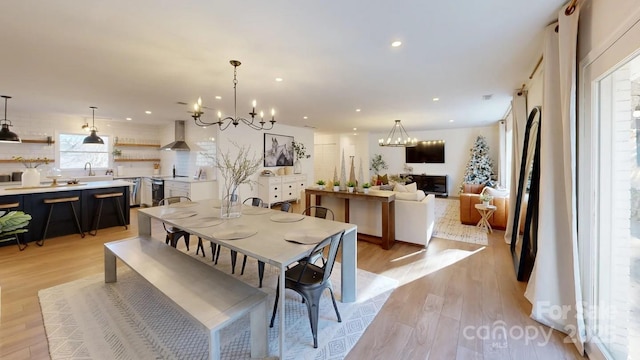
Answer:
(278, 150)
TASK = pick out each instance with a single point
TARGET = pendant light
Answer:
(5, 134)
(93, 138)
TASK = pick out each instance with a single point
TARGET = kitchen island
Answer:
(31, 201)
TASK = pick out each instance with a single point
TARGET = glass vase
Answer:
(231, 206)
(297, 167)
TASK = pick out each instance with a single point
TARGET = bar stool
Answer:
(100, 197)
(52, 203)
(7, 207)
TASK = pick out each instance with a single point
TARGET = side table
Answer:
(485, 212)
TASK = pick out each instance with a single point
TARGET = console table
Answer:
(388, 213)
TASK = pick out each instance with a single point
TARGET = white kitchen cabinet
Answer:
(275, 189)
(146, 197)
(196, 191)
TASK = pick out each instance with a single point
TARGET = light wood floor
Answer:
(446, 294)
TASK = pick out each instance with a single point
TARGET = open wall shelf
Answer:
(137, 145)
(136, 160)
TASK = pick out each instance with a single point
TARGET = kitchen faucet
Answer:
(91, 173)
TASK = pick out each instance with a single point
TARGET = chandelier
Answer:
(397, 137)
(224, 123)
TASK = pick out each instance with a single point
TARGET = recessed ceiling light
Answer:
(357, 110)
(148, 112)
(396, 43)
(305, 117)
(128, 119)
(279, 79)
(355, 133)
(354, 129)
(451, 120)
(218, 97)
(436, 99)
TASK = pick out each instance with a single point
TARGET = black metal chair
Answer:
(322, 213)
(285, 206)
(255, 201)
(173, 233)
(310, 281)
(319, 212)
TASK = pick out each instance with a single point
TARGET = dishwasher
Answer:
(134, 191)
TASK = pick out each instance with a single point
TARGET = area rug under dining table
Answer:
(129, 319)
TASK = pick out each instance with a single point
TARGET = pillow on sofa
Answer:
(496, 192)
(412, 196)
(384, 179)
(413, 187)
(387, 187)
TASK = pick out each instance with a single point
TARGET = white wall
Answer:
(244, 136)
(600, 20)
(458, 142)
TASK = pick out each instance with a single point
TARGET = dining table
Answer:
(274, 237)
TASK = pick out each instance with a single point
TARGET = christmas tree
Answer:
(480, 167)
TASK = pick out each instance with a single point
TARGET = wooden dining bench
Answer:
(211, 297)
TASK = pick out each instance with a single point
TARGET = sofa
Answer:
(414, 215)
(470, 196)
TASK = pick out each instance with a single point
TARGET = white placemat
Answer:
(178, 215)
(202, 222)
(235, 232)
(306, 236)
(287, 217)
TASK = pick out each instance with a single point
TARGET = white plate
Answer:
(287, 217)
(254, 210)
(202, 222)
(178, 215)
(306, 236)
(235, 232)
(183, 204)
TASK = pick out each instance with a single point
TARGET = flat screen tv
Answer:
(431, 151)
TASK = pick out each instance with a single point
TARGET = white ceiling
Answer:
(125, 57)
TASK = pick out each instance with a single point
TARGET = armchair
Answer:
(469, 215)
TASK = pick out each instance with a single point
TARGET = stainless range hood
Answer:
(179, 144)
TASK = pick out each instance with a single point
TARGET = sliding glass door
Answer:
(609, 200)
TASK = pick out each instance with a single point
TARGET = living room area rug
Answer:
(448, 225)
(130, 319)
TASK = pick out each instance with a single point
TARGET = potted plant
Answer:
(485, 198)
(350, 186)
(336, 182)
(377, 164)
(13, 223)
(366, 187)
(320, 184)
(336, 185)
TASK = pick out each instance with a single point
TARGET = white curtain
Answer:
(519, 118)
(555, 282)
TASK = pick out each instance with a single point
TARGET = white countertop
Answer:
(46, 188)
